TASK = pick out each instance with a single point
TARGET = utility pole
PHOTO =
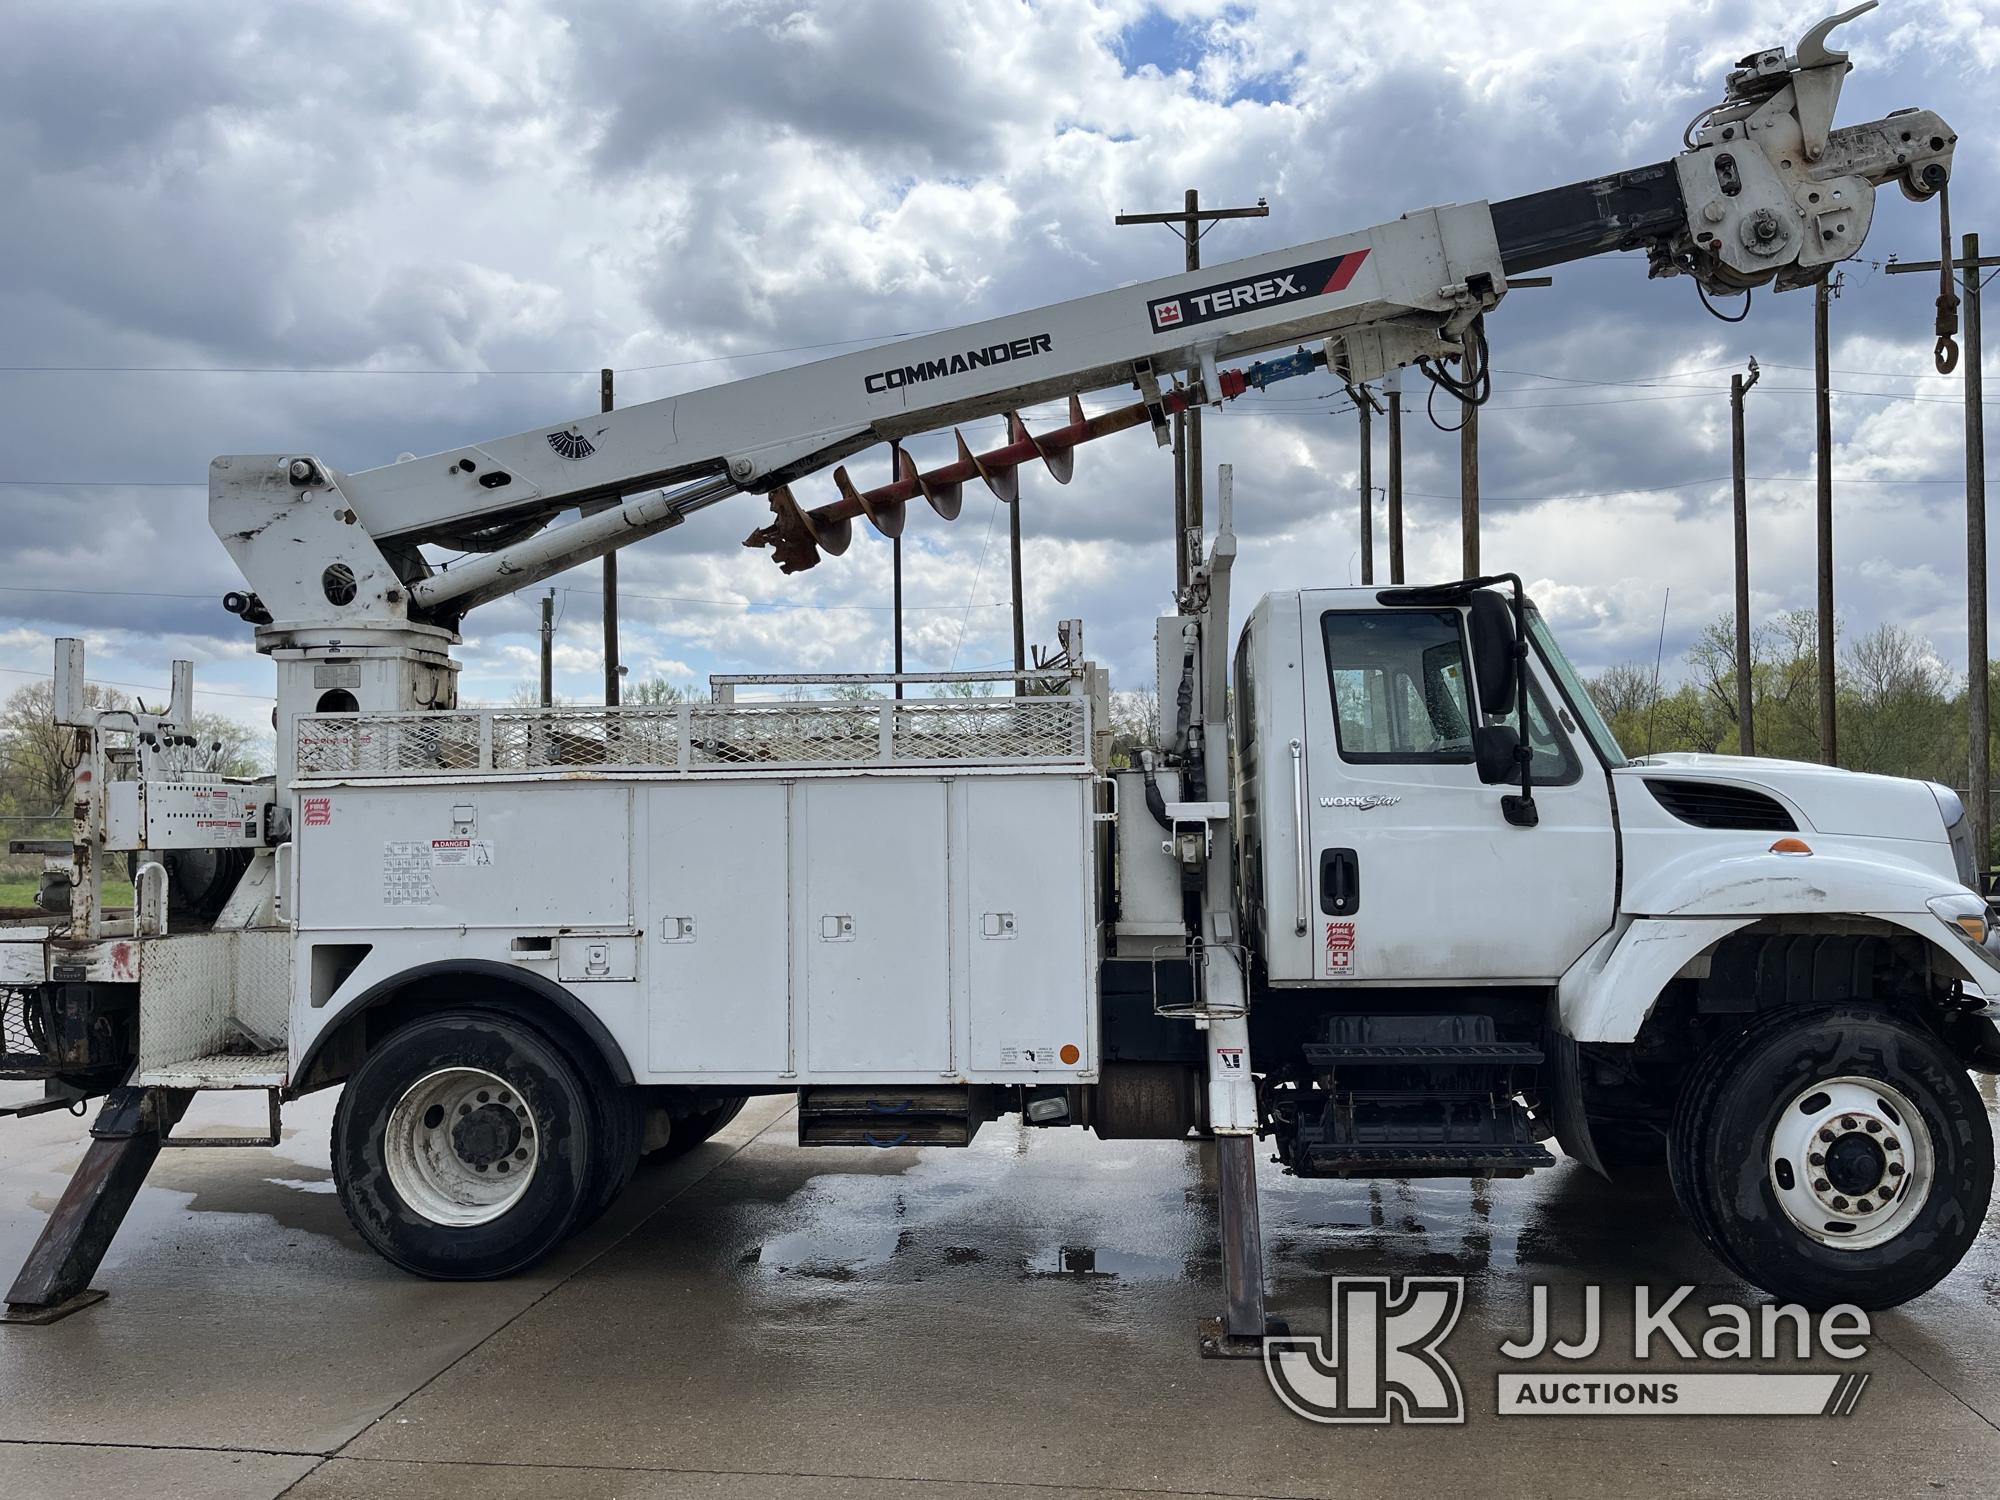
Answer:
(1014, 552)
(896, 569)
(1468, 453)
(1366, 407)
(1468, 491)
(1187, 223)
(1746, 735)
(1829, 749)
(548, 648)
(1395, 385)
(1979, 725)
(611, 692)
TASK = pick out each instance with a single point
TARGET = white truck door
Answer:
(1414, 874)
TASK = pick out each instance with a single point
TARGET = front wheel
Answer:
(463, 1146)
(1833, 1156)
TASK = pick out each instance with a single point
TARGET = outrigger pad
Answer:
(1218, 1343)
(28, 1314)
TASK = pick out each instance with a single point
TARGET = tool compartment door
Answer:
(717, 893)
(1029, 923)
(873, 926)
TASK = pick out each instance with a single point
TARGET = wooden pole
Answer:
(1187, 221)
(1979, 773)
(1829, 747)
(1367, 489)
(896, 572)
(1014, 557)
(1396, 481)
(611, 689)
(1746, 734)
(1979, 724)
(1468, 490)
(548, 648)
(1190, 543)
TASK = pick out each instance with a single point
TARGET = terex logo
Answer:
(1313, 278)
(1380, 1359)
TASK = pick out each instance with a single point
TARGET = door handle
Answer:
(1299, 832)
(1339, 882)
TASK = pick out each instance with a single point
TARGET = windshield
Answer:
(1581, 703)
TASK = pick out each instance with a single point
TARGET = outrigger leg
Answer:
(54, 1280)
(1241, 1330)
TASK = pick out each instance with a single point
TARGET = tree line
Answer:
(1898, 709)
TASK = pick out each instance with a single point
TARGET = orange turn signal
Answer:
(1791, 846)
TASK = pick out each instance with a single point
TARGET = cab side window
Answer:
(1399, 684)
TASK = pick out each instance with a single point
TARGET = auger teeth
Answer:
(794, 540)
(945, 499)
(1005, 482)
(886, 516)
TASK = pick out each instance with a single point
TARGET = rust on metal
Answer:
(797, 537)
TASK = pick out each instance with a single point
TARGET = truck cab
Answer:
(1637, 957)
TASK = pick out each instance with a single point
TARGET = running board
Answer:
(888, 1116)
(1386, 1160)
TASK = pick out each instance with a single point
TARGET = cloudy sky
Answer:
(208, 204)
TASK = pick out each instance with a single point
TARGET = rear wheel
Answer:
(463, 1146)
(1833, 1156)
(691, 1130)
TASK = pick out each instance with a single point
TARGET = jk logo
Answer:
(1380, 1360)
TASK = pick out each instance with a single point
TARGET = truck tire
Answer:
(1833, 1155)
(691, 1130)
(619, 1117)
(464, 1146)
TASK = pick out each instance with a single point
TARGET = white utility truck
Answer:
(1398, 901)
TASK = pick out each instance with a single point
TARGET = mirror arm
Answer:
(1519, 810)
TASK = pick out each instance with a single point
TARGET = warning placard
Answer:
(466, 853)
(1339, 950)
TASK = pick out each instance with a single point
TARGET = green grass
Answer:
(19, 891)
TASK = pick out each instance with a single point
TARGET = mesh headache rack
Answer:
(701, 737)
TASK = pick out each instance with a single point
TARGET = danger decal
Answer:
(1315, 278)
(319, 811)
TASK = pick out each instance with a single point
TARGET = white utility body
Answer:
(1387, 893)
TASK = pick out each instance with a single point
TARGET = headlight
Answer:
(1967, 916)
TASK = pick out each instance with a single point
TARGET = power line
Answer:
(749, 604)
(672, 364)
(146, 687)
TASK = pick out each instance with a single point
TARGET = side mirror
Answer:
(1494, 661)
(1493, 750)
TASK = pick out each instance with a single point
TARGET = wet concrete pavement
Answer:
(1015, 1319)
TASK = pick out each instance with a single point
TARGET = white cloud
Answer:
(532, 186)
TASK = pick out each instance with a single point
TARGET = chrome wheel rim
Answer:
(461, 1147)
(1851, 1162)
